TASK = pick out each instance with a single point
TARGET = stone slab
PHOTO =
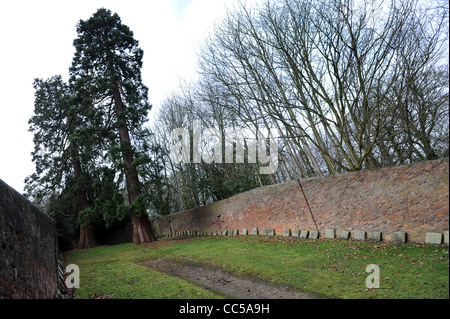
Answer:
(374, 235)
(360, 235)
(244, 232)
(399, 237)
(295, 232)
(286, 232)
(343, 234)
(235, 232)
(446, 237)
(255, 231)
(268, 232)
(304, 233)
(314, 234)
(433, 238)
(329, 233)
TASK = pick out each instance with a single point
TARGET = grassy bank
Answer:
(326, 267)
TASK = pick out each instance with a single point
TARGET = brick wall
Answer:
(413, 198)
(28, 248)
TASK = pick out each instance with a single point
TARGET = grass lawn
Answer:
(330, 268)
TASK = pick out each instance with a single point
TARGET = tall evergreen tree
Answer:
(59, 176)
(106, 73)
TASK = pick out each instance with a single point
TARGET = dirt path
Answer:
(225, 283)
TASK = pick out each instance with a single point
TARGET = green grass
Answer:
(329, 268)
(113, 272)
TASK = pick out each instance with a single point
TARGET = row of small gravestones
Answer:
(330, 233)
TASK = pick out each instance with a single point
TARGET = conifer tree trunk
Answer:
(142, 232)
(87, 239)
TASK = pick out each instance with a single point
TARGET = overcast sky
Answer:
(36, 42)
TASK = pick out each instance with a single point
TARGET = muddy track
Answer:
(224, 282)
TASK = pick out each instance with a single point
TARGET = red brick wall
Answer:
(412, 198)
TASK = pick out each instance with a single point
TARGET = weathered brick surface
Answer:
(28, 248)
(413, 199)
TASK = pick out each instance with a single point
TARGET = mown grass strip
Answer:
(330, 268)
(113, 272)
